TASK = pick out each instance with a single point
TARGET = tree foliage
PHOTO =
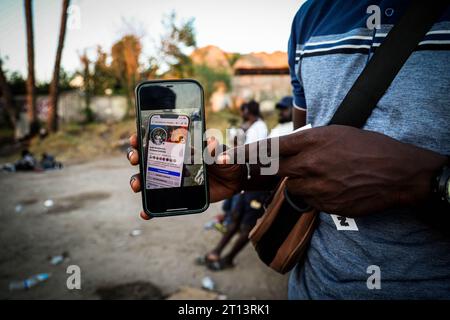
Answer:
(175, 44)
(103, 76)
(18, 83)
(210, 78)
(125, 55)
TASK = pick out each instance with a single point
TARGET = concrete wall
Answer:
(72, 104)
(105, 108)
(71, 108)
(260, 87)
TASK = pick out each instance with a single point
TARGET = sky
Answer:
(233, 25)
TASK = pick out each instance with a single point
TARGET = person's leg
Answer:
(220, 224)
(252, 210)
(240, 243)
(233, 206)
(214, 255)
(226, 206)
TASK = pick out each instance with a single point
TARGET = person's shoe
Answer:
(220, 265)
(204, 260)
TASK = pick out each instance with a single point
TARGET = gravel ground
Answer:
(93, 214)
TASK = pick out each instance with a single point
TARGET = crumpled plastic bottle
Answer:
(30, 282)
(208, 284)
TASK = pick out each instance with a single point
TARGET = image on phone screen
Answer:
(167, 141)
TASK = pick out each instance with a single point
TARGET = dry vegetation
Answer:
(79, 143)
(76, 143)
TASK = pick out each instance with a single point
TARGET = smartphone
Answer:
(171, 125)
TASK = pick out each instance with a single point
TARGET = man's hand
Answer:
(351, 172)
(224, 179)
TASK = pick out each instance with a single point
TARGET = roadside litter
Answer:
(55, 260)
(209, 225)
(29, 283)
(18, 208)
(49, 203)
(208, 284)
(135, 232)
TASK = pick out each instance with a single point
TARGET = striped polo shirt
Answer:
(394, 254)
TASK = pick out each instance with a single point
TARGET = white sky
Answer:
(233, 25)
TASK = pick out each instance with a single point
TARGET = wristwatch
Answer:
(442, 184)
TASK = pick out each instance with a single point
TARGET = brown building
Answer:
(261, 76)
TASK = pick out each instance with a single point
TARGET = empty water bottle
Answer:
(208, 284)
(28, 283)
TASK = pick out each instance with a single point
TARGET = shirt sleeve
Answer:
(294, 64)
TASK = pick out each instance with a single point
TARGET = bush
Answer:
(209, 78)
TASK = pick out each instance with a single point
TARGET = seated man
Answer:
(285, 124)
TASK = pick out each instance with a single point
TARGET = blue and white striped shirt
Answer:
(329, 46)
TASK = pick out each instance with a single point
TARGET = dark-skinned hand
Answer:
(224, 179)
(350, 172)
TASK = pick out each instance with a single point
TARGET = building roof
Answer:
(212, 57)
(263, 60)
(248, 64)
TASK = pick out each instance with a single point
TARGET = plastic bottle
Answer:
(28, 283)
(208, 284)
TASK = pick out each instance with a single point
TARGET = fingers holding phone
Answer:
(135, 182)
(132, 153)
(133, 158)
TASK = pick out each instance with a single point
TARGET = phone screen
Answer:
(167, 140)
(170, 116)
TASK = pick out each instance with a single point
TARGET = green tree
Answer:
(152, 70)
(7, 94)
(103, 75)
(233, 57)
(43, 88)
(210, 77)
(17, 83)
(31, 85)
(87, 86)
(125, 55)
(179, 38)
(52, 120)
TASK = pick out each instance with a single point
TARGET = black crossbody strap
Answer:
(387, 61)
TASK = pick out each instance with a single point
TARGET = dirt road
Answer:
(92, 216)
